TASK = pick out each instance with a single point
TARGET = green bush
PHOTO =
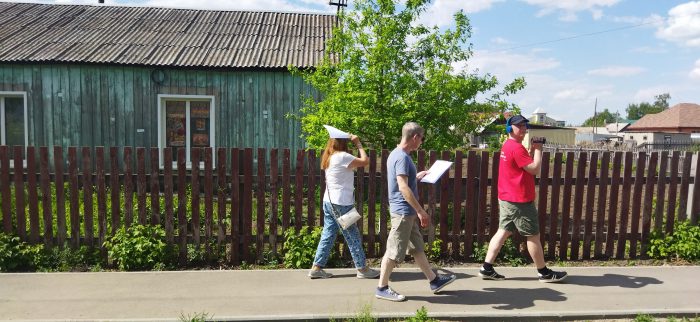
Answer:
(16, 255)
(300, 249)
(432, 250)
(421, 316)
(139, 248)
(683, 243)
(71, 260)
(510, 253)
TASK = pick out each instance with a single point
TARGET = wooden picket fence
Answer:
(591, 205)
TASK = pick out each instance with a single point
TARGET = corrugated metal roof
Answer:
(161, 36)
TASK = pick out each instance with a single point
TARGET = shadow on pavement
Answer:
(398, 276)
(499, 298)
(612, 280)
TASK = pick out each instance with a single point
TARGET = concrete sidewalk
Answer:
(588, 293)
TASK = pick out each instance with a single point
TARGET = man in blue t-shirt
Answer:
(406, 213)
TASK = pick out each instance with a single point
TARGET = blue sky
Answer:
(569, 51)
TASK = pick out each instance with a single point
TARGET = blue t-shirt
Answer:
(400, 163)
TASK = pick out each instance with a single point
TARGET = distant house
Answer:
(607, 133)
(83, 75)
(539, 116)
(672, 125)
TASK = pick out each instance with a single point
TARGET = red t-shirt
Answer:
(514, 183)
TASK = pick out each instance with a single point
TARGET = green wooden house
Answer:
(82, 75)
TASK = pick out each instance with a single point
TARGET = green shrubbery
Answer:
(16, 255)
(683, 243)
(139, 248)
(300, 248)
(510, 253)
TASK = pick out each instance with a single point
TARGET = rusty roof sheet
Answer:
(161, 36)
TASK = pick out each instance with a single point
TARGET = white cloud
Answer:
(502, 63)
(440, 12)
(695, 73)
(500, 41)
(647, 94)
(568, 9)
(682, 25)
(617, 71)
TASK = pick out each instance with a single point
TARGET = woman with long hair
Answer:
(339, 198)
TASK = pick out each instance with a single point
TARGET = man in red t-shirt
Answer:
(516, 199)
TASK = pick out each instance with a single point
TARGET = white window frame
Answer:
(162, 98)
(3, 134)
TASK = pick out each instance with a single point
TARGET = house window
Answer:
(631, 137)
(185, 121)
(644, 138)
(13, 119)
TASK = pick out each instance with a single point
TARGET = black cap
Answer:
(518, 119)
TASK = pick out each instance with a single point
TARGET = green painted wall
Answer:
(90, 105)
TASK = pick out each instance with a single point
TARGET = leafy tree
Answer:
(636, 111)
(383, 69)
(602, 118)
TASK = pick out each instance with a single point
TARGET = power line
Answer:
(588, 34)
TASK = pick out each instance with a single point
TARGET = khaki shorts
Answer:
(522, 216)
(404, 237)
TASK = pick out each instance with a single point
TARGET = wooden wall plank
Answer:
(141, 184)
(73, 188)
(20, 211)
(457, 204)
(651, 179)
(5, 189)
(542, 194)
(208, 201)
(100, 182)
(590, 206)
(672, 191)
(600, 212)
(612, 208)
(578, 205)
(661, 191)
(637, 202)
(566, 206)
(554, 206)
(88, 213)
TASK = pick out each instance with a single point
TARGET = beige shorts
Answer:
(404, 237)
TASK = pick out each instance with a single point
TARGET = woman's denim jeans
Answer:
(330, 230)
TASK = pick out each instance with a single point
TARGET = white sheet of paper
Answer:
(335, 133)
(436, 171)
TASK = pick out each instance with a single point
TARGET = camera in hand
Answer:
(539, 139)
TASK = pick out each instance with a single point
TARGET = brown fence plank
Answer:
(444, 207)
(661, 191)
(182, 204)
(457, 204)
(578, 205)
(247, 201)
(195, 158)
(260, 212)
(648, 200)
(101, 195)
(493, 217)
(5, 189)
(286, 189)
(384, 208)
(155, 187)
(672, 192)
(46, 196)
(274, 198)
(129, 188)
(312, 168)
(19, 192)
(470, 205)
(73, 188)
(359, 195)
(542, 194)
(208, 200)
(554, 206)
(696, 194)
(483, 191)
(60, 196)
(566, 206)
(685, 183)
(141, 184)
(600, 212)
(88, 214)
(624, 209)
(298, 190)
(222, 182)
(236, 206)
(115, 188)
(637, 202)
(612, 210)
(168, 191)
(33, 196)
(432, 200)
(590, 206)
(371, 205)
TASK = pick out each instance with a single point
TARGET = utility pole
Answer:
(339, 3)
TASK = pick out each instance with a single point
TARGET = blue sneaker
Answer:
(389, 294)
(441, 281)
